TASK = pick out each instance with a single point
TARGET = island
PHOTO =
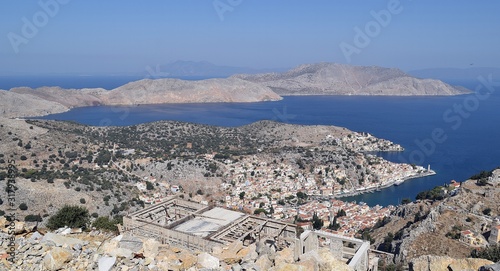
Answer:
(308, 79)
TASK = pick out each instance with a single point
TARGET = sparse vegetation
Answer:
(491, 253)
(106, 224)
(70, 216)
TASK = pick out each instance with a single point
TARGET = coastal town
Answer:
(289, 190)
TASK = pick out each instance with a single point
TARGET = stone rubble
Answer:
(94, 250)
(74, 250)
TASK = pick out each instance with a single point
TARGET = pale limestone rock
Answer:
(217, 251)
(230, 254)
(329, 262)
(252, 255)
(106, 263)
(60, 240)
(310, 260)
(286, 255)
(150, 248)
(121, 253)
(208, 261)
(163, 265)
(108, 246)
(468, 264)
(20, 227)
(131, 242)
(263, 262)
(56, 258)
(187, 260)
(289, 267)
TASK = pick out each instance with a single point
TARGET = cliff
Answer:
(340, 79)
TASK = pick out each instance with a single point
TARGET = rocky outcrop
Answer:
(428, 225)
(340, 79)
(439, 263)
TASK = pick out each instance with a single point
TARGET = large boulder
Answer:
(56, 258)
(131, 242)
(263, 262)
(187, 260)
(329, 262)
(230, 254)
(150, 248)
(208, 261)
(285, 255)
(60, 240)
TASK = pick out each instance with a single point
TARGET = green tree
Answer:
(491, 253)
(23, 206)
(387, 244)
(301, 195)
(317, 222)
(71, 216)
(104, 223)
(487, 211)
(340, 213)
(405, 201)
(242, 195)
(33, 218)
(334, 226)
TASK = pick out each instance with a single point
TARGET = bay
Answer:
(469, 138)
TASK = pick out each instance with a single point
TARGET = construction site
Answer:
(199, 227)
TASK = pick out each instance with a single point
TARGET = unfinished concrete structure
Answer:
(199, 227)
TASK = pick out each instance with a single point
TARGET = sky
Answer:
(122, 36)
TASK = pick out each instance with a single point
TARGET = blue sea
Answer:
(457, 136)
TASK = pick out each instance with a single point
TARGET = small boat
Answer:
(398, 182)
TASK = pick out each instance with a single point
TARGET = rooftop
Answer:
(209, 221)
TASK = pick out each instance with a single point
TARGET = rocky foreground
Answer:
(67, 249)
(73, 249)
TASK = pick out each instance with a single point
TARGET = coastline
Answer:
(390, 183)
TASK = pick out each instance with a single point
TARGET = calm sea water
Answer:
(468, 128)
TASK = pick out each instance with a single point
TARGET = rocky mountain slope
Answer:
(427, 227)
(340, 79)
(159, 91)
(17, 105)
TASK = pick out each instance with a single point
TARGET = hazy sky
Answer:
(114, 36)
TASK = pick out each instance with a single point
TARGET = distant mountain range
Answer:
(199, 69)
(308, 79)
